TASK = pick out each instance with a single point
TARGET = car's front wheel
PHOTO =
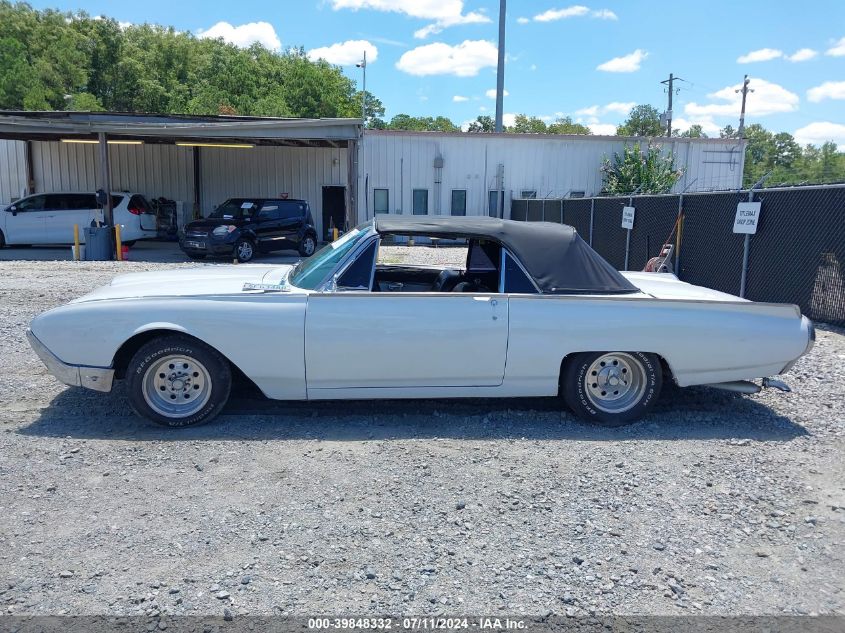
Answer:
(244, 250)
(611, 388)
(178, 381)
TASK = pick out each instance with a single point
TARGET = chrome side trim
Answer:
(96, 378)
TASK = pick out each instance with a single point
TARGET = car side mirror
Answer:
(13, 210)
(333, 283)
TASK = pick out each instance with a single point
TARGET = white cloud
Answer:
(626, 64)
(463, 60)
(345, 53)
(604, 14)
(802, 55)
(837, 50)
(245, 34)
(603, 129)
(459, 99)
(820, 132)
(767, 98)
(828, 90)
(491, 94)
(532, 67)
(508, 119)
(761, 55)
(561, 14)
(708, 126)
(445, 13)
(619, 107)
(622, 107)
(522, 20)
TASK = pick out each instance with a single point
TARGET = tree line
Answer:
(54, 60)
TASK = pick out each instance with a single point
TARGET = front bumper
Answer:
(206, 246)
(96, 378)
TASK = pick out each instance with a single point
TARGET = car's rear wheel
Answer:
(244, 250)
(308, 245)
(178, 381)
(2, 240)
(611, 388)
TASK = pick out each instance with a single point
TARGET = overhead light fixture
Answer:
(91, 141)
(235, 145)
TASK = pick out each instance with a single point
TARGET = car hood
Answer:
(668, 286)
(188, 282)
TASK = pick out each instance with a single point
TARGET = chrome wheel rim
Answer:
(309, 245)
(245, 250)
(177, 386)
(615, 382)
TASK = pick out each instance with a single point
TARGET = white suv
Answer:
(48, 218)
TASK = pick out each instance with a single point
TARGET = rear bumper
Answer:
(96, 378)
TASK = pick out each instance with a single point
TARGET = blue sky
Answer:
(589, 61)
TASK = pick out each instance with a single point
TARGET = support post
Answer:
(628, 237)
(105, 178)
(678, 234)
(30, 171)
(76, 242)
(592, 209)
(500, 72)
(196, 212)
(352, 163)
(746, 245)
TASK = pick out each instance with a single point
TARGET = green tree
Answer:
(565, 125)
(694, 131)
(482, 123)
(422, 124)
(651, 171)
(643, 120)
(527, 125)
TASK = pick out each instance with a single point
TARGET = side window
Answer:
(515, 279)
(57, 202)
(292, 210)
(381, 201)
(136, 202)
(360, 272)
(459, 201)
(529, 194)
(270, 211)
(34, 203)
(420, 201)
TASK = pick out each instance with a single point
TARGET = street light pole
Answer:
(500, 74)
(363, 66)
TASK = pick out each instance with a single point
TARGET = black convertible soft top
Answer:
(553, 254)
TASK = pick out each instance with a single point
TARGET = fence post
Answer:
(592, 208)
(678, 230)
(628, 237)
(746, 244)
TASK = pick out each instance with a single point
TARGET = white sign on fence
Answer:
(747, 217)
(628, 217)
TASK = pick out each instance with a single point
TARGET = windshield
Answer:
(309, 273)
(235, 209)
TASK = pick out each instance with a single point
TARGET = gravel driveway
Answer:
(716, 503)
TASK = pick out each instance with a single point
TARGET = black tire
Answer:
(156, 355)
(599, 401)
(2, 240)
(195, 255)
(244, 250)
(308, 245)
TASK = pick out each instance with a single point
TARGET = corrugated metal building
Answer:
(398, 172)
(443, 173)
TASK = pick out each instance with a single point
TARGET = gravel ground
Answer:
(716, 503)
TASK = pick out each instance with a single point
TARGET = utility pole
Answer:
(500, 74)
(671, 90)
(363, 66)
(744, 90)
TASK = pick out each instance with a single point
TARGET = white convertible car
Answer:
(534, 312)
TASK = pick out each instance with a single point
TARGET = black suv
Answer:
(242, 227)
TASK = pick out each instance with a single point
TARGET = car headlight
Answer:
(222, 231)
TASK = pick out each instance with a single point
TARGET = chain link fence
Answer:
(797, 255)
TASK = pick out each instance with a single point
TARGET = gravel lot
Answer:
(717, 503)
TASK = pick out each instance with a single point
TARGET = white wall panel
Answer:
(12, 170)
(553, 167)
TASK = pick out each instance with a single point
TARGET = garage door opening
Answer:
(334, 210)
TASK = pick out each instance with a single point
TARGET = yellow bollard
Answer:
(117, 242)
(334, 234)
(76, 242)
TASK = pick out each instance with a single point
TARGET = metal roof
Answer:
(160, 128)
